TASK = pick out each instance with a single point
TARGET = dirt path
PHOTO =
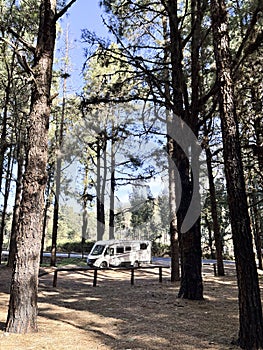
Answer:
(117, 316)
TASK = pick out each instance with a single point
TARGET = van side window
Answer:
(143, 246)
(127, 249)
(120, 250)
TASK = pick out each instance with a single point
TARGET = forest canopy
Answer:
(163, 141)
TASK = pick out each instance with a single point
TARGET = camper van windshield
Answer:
(98, 249)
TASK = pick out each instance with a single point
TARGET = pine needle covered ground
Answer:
(118, 316)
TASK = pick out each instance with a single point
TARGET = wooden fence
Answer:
(97, 270)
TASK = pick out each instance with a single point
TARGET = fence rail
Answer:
(97, 270)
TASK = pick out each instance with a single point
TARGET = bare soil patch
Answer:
(118, 316)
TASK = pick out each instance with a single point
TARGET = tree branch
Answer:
(21, 59)
(28, 46)
(64, 10)
(252, 46)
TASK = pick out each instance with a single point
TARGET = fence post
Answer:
(132, 276)
(55, 278)
(215, 273)
(160, 274)
(95, 277)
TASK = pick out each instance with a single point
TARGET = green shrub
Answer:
(77, 247)
(159, 249)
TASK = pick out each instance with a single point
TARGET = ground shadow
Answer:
(147, 315)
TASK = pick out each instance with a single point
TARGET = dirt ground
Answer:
(116, 315)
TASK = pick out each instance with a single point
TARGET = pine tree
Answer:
(22, 312)
(250, 310)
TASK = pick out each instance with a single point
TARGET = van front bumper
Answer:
(91, 262)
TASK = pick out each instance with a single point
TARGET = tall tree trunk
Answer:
(4, 122)
(216, 228)
(103, 185)
(100, 203)
(84, 228)
(9, 172)
(56, 204)
(58, 171)
(45, 216)
(22, 312)
(21, 139)
(190, 239)
(256, 225)
(173, 230)
(210, 238)
(250, 310)
(85, 199)
(53, 257)
(174, 237)
(112, 188)
(15, 219)
(258, 125)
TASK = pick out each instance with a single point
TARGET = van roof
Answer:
(122, 241)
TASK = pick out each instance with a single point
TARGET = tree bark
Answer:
(9, 171)
(4, 122)
(100, 190)
(258, 125)
(250, 310)
(15, 219)
(190, 240)
(45, 215)
(112, 188)
(216, 228)
(22, 313)
(210, 238)
(256, 225)
(58, 170)
(173, 230)
(174, 236)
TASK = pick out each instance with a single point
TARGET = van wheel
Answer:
(103, 265)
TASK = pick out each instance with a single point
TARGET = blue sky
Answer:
(86, 14)
(83, 14)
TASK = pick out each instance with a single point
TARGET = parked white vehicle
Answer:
(120, 253)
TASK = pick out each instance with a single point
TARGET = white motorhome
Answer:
(120, 253)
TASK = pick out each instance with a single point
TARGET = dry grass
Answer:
(115, 315)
